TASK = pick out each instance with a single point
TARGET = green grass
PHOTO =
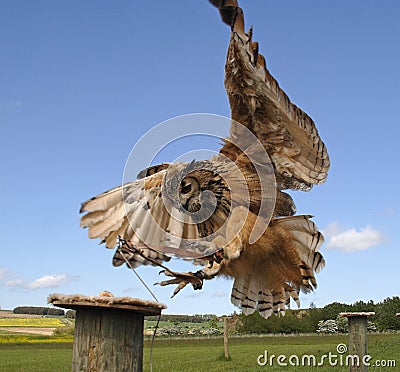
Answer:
(205, 354)
(40, 358)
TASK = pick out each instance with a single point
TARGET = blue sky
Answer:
(81, 82)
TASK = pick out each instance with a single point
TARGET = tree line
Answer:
(177, 318)
(308, 320)
(38, 310)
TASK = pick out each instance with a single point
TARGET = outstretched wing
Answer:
(108, 216)
(138, 212)
(288, 134)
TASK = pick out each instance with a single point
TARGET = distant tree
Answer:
(342, 324)
(302, 314)
(38, 310)
(371, 327)
(213, 322)
(361, 306)
(290, 323)
(251, 324)
(332, 310)
(314, 316)
(385, 318)
(327, 326)
(53, 311)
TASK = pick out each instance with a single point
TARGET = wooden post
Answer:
(357, 340)
(226, 339)
(108, 331)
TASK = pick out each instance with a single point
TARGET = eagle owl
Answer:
(229, 213)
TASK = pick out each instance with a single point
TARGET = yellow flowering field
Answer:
(33, 339)
(31, 322)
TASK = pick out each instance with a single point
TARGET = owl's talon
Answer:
(182, 279)
(167, 273)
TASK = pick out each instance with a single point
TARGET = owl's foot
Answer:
(182, 279)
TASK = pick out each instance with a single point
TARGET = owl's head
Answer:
(197, 189)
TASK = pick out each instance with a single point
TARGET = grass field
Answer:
(205, 354)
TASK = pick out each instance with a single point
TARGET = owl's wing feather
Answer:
(306, 238)
(149, 171)
(287, 133)
(136, 211)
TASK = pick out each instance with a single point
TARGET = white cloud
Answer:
(220, 294)
(3, 273)
(46, 281)
(49, 281)
(352, 240)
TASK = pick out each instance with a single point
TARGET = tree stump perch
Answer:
(108, 331)
(358, 338)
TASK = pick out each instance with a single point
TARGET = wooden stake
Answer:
(108, 331)
(226, 340)
(357, 340)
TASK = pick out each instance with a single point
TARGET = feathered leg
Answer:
(216, 262)
(182, 279)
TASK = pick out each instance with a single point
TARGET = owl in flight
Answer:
(229, 213)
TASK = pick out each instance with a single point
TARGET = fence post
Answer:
(357, 340)
(108, 331)
(226, 339)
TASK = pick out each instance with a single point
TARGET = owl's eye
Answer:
(186, 188)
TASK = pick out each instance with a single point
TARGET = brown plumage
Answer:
(229, 213)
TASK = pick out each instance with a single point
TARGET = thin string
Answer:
(120, 243)
(138, 276)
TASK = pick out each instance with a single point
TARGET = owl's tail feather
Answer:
(250, 294)
(269, 292)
